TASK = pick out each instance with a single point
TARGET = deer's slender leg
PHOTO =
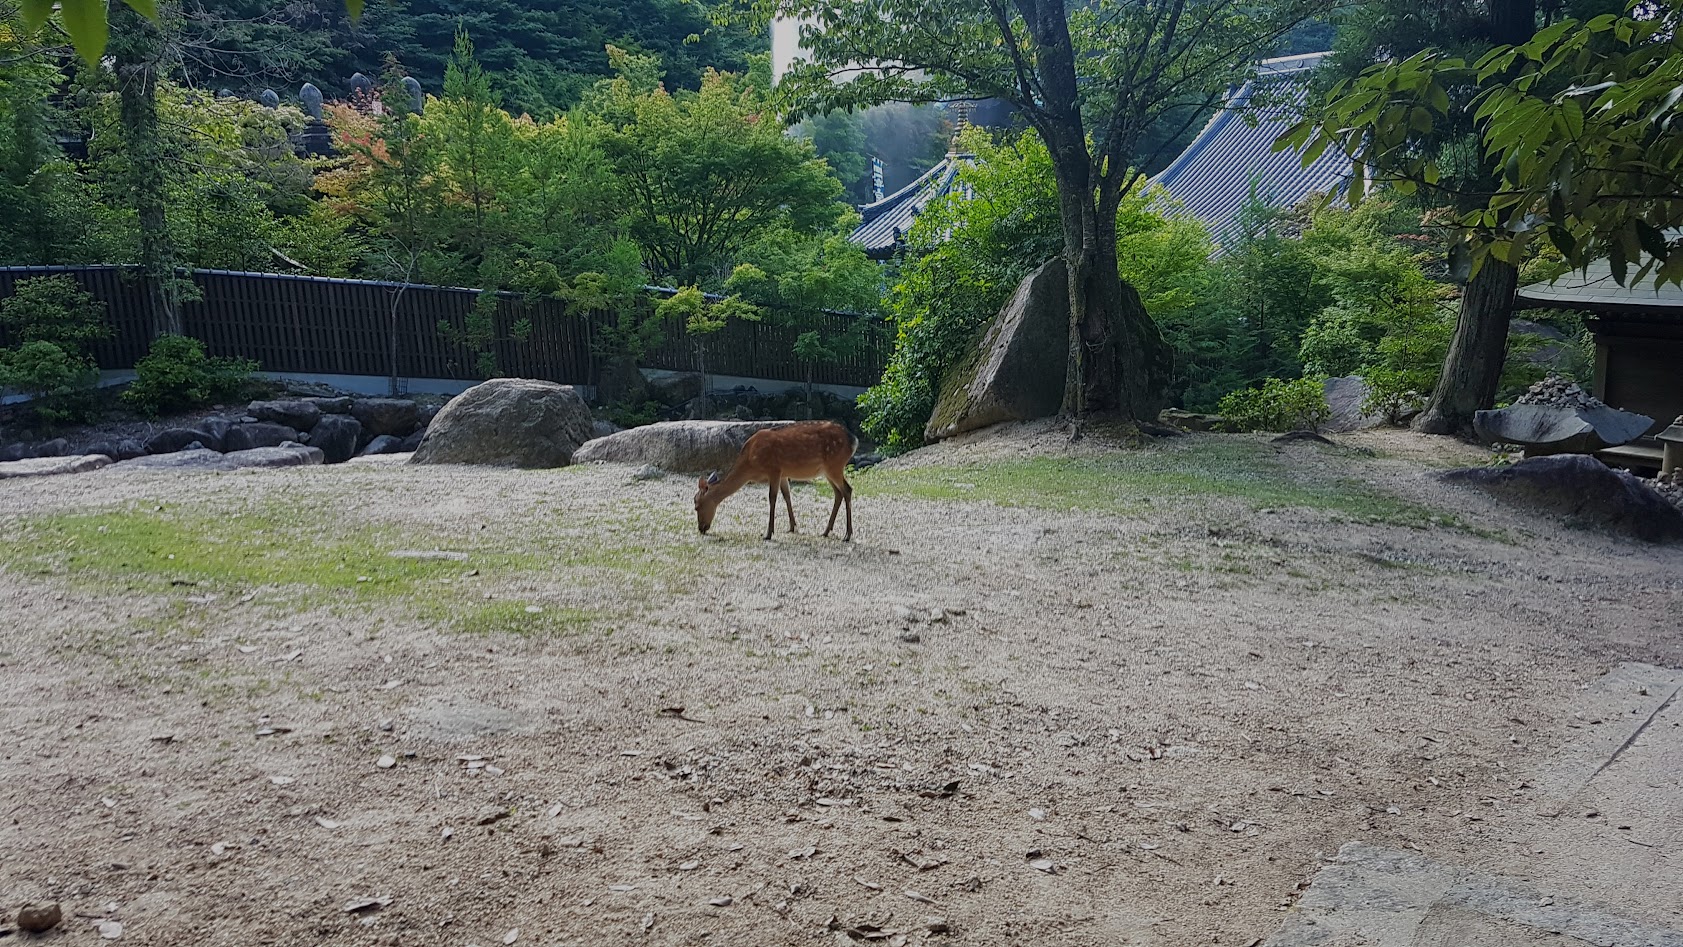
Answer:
(771, 524)
(835, 507)
(847, 492)
(788, 505)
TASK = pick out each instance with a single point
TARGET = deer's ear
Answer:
(713, 478)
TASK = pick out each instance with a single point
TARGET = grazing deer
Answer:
(777, 455)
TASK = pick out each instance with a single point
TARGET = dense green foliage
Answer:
(1296, 405)
(51, 322)
(966, 257)
(641, 181)
(177, 375)
(1579, 123)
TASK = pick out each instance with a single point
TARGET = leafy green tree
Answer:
(705, 174)
(966, 256)
(475, 141)
(47, 212)
(51, 322)
(703, 318)
(1413, 134)
(54, 309)
(1094, 81)
(141, 57)
(796, 280)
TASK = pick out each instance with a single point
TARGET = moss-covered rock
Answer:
(1015, 369)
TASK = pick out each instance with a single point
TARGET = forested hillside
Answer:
(540, 54)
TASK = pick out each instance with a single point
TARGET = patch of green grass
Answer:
(515, 618)
(1132, 481)
(320, 561)
(236, 551)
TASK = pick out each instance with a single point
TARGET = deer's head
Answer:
(704, 506)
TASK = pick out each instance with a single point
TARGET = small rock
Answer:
(648, 472)
(386, 762)
(723, 902)
(512, 935)
(37, 918)
(110, 930)
(937, 925)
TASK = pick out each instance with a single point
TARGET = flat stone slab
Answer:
(1611, 879)
(294, 455)
(456, 721)
(1381, 897)
(50, 466)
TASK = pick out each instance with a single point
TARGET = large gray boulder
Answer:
(1584, 491)
(1559, 428)
(286, 455)
(298, 415)
(334, 405)
(508, 422)
(678, 446)
(262, 434)
(49, 466)
(1345, 398)
(394, 416)
(1015, 370)
(337, 435)
(197, 458)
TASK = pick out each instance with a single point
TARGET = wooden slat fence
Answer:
(335, 326)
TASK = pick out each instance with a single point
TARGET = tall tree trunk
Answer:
(1473, 370)
(137, 47)
(1117, 361)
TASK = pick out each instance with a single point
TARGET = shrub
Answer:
(60, 382)
(50, 321)
(177, 375)
(1392, 394)
(54, 309)
(1333, 344)
(1298, 405)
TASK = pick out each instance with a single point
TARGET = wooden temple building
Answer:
(1638, 349)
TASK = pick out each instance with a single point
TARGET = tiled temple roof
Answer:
(1211, 180)
(1234, 155)
(886, 221)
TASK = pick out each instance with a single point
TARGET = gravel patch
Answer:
(1033, 725)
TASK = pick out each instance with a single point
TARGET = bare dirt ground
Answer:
(1149, 707)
